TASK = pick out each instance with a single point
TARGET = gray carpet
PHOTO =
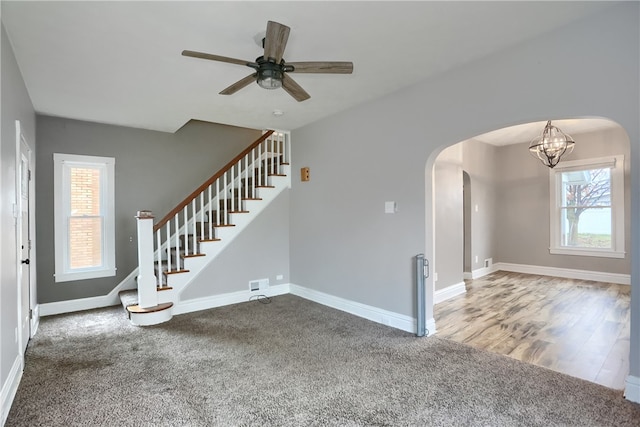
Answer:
(288, 363)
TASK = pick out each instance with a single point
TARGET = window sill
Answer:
(587, 252)
(94, 274)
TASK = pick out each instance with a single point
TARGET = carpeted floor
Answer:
(288, 363)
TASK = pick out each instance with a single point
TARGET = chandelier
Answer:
(551, 145)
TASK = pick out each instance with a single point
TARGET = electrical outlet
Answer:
(476, 259)
(279, 277)
(435, 277)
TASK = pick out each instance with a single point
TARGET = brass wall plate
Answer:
(304, 174)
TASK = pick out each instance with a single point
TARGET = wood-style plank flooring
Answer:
(580, 328)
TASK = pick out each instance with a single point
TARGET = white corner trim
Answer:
(35, 320)
(567, 273)
(431, 326)
(449, 292)
(10, 388)
(632, 389)
(213, 301)
(467, 275)
(378, 315)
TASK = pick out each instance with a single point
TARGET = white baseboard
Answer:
(632, 389)
(69, 306)
(80, 304)
(213, 301)
(467, 275)
(481, 272)
(449, 292)
(10, 387)
(385, 317)
(568, 273)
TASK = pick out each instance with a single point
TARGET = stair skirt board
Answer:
(212, 249)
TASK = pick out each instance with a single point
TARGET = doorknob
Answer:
(25, 261)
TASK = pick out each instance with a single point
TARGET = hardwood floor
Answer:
(580, 328)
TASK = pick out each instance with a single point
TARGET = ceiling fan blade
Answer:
(334, 67)
(214, 57)
(294, 89)
(239, 84)
(275, 41)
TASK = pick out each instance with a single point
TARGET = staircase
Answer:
(174, 250)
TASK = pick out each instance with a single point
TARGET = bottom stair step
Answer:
(137, 309)
(148, 315)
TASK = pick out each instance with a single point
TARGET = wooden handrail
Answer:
(210, 181)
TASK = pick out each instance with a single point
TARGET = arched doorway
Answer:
(509, 212)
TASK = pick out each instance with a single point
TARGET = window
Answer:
(84, 217)
(587, 207)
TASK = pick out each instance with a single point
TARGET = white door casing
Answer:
(24, 197)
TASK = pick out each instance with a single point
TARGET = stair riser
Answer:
(154, 318)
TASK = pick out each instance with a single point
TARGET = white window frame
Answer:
(616, 163)
(62, 196)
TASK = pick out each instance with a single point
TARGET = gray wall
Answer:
(261, 251)
(479, 161)
(523, 213)
(153, 170)
(466, 213)
(341, 241)
(449, 228)
(15, 105)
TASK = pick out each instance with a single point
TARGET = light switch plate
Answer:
(390, 207)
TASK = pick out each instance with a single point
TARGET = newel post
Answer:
(147, 292)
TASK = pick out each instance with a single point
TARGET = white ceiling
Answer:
(120, 62)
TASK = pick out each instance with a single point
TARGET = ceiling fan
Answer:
(271, 70)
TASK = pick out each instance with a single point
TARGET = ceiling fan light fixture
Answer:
(551, 145)
(269, 75)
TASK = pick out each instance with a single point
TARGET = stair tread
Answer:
(176, 271)
(137, 309)
(193, 255)
(128, 297)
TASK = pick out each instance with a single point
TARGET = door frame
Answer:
(23, 145)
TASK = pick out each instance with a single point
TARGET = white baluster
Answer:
(253, 173)
(259, 164)
(232, 194)
(224, 200)
(194, 218)
(159, 256)
(218, 207)
(279, 152)
(168, 246)
(210, 222)
(186, 230)
(202, 215)
(177, 241)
